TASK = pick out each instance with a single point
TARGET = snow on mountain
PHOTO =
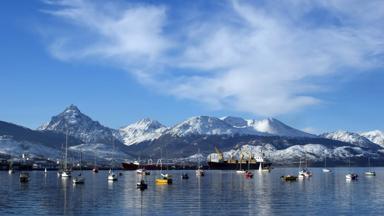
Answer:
(276, 127)
(350, 137)
(293, 154)
(143, 130)
(235, 121)
(202, 125)
(78, 125)
(13, 147)
(375, 136)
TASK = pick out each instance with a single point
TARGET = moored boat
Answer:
(24, 177)
(289, 178)
(351, 176)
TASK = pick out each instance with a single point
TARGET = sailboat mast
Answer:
(66, 151)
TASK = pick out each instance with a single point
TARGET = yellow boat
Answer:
(164, 181)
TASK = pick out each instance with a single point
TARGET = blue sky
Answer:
(315, 65)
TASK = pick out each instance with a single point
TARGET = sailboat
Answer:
(111, 174)
(370, 172)
(184, 175)
(11, 171)
(66, 173)
(199, 171)
(240, 171)
(350, 176)
(24, 177)
(142, 185)
(248, 174)
(304, 172)
(165, 178)
(79, 179)
(95, 168)
(325, 169)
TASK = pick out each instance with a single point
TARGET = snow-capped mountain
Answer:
(277, 128)
(375, 136)
(78, 125)
(203, 125)
(235, 121)
(143, 130)
(349, 137)
(292, 155)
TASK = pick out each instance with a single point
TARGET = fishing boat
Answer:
(325, 169)
(289, 178)
(370, 172)
(24, 177)
(11, 170)
(80, 179)
(350, 176)
(66, 173)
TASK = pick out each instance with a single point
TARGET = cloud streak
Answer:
(258, 57)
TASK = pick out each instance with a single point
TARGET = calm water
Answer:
(219, 193)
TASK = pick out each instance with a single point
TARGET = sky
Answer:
(315, 65)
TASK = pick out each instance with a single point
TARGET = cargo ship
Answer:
(252, 163)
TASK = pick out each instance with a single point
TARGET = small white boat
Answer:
(200, 172)
(66, 174)
(370, 173)
(11, 171)
(240, 171)
(326, 170)
(112, 176)
(45, 171)
(351, 176)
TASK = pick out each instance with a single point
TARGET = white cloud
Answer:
(258, 58)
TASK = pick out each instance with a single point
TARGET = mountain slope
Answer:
(352, 138)
(79, 125)
(375, 136)
(143, 130)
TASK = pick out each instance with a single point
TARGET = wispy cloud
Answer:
(258, 57)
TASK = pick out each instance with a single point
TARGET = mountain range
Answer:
(149, 138)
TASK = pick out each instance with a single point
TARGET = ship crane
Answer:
(220, 154)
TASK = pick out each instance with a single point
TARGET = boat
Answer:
(232, 164)
(141, 185)
(289, 178)
(248, 174)
(350, 176)
(325, 169)
(24, 177)
(304, 172)
(199, 171)
(165, 178)
(142, 172)
(45, 171)
(95, 168)
(11, 171)
(111, 174)
(66, 172)
(261, 160)
(184, 176)
(80, 179)
(370, 172)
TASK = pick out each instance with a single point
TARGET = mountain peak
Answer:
(72, 108)
(235, 121)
